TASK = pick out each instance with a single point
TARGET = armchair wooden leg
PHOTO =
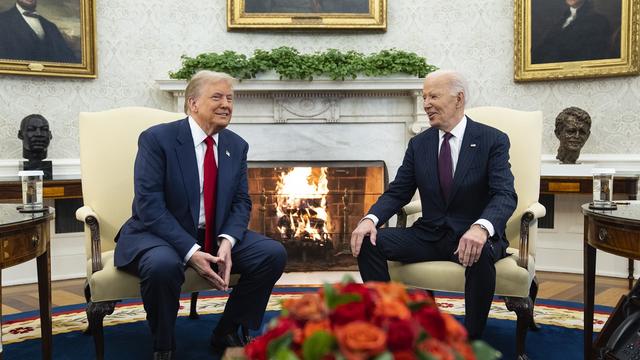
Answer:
(523, 307)
(87, 297)
(95, 314)
(193, 310)
(533, 294)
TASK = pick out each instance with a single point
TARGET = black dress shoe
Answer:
(220, 343)
(162, 355)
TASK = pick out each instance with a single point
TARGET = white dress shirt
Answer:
(198, 135)
(455, 143)
(33, 22)
(571, 17)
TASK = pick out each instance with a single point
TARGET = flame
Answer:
(301, 200)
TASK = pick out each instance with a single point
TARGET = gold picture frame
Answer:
(61, 43)
(307, 14)
(600, 40)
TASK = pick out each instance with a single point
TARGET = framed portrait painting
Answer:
(566, 39)
(307, 14)
(48, 38)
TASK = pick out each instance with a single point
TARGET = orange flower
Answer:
(392, 309)
(464, 350)
(455, 332)
(437, 349)
(308, 307)
(312, 327)
(360, 340)
(391, 291)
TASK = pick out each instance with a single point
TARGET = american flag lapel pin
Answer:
(228, 153)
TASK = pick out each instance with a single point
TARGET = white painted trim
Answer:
(62, 168)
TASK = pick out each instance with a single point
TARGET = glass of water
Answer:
(603, 187)
(31, 189)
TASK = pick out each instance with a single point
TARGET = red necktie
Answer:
(209, 193)
(445, 166)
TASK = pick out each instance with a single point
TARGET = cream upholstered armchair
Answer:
(108, 146)
(515, 274)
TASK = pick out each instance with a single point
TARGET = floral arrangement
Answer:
(366, 321)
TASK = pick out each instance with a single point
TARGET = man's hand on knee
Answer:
(366, 227)
(471, 245)
(201, 262)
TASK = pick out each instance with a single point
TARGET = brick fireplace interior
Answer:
(312, 207)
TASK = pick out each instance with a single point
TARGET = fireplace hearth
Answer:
(312, 207)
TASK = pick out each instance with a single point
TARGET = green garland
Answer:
(291, 65)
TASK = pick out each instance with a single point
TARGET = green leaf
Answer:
(290, 64)
(281, 342)
(284, 354)
(318, 345)
(485, 352)
(384, 356)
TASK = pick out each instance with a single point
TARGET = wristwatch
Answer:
(484, 228)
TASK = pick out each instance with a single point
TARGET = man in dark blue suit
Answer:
(461, 169)
(191, 208)
(27, 35)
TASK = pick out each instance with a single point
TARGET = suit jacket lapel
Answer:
(225, 165)
(468, 151)
(186, 153)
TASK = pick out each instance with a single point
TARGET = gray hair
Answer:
(199, 80)
(457, 82)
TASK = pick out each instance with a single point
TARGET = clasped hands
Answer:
(201, 262)
(469, 247)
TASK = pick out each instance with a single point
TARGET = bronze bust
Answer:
(35, 135)
(573, 127)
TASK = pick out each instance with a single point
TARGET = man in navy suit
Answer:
(461, 169)
(190, 183)
(27, 35)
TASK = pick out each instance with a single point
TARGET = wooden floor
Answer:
(557, 286)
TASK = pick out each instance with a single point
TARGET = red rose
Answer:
(404, 355)
(400, 335)
(432, 321)
(347, 313)
(257, 349)
(365, 295)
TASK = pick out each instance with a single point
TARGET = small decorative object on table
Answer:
(36, 136)
(366, 321)
(603, 190)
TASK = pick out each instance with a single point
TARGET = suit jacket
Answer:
(482, 184)
(166, 204)
(19, 42)
(587, 37)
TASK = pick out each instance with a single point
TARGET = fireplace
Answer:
(312, 207)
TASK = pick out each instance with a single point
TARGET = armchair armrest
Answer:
(411, 208)
(533, 212)
(89, 217)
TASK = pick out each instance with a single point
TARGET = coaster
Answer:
(21, 209)
(611, 206)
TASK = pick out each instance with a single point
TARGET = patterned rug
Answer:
(127, 337)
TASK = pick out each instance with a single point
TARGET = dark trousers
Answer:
(416, 244)
(259, 260)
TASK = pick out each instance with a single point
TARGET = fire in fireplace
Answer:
(312, 207)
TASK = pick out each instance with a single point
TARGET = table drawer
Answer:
(614, 238)
(20, 246)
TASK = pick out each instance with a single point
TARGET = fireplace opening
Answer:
(312, 207)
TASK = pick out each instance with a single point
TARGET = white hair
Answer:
(457, 82)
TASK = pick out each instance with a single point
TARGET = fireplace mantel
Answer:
(366, 100)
